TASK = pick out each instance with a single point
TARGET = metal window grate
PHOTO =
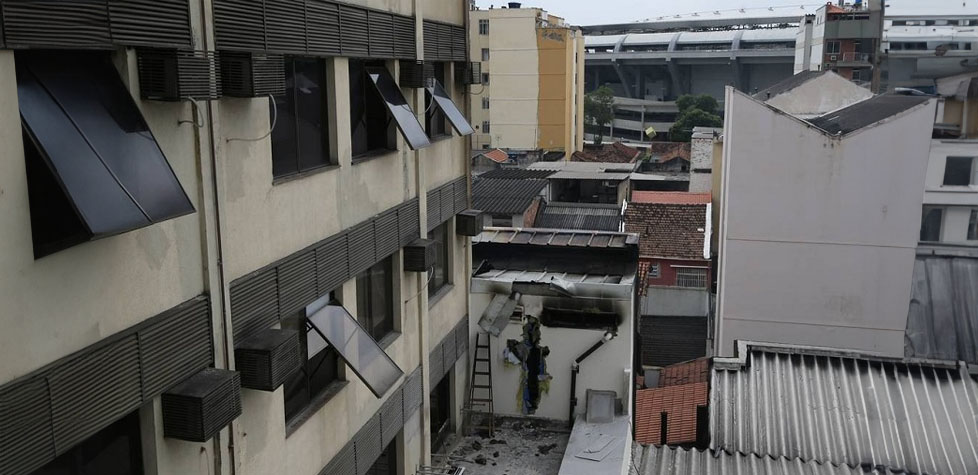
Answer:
(691, 278)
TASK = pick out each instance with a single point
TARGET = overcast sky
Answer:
(593, 12)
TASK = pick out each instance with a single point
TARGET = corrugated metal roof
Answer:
(652, 460)
(505, 196)
(516, 174)
(584, 216)
(838, 407)
(943, 319)
(550, 237)
(519, 275)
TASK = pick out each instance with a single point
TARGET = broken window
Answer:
(570, 313)
(532, 360)
(960, 171)
(930, 226)
(441, 413)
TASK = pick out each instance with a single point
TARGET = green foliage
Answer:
(599, 111)
(694, 111)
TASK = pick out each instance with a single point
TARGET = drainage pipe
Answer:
(576, 368)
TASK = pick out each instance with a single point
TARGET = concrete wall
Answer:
(819, 248)
(957, 201)
(605, 369)
(820, 95)
(675, 302)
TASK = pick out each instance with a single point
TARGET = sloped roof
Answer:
(679, 403)
(670, 150)
(943, 319)
(557, 238)
(585, 216)
(517, 174)
(668, 230)
(609, 153)
(787, 84)
(665, 460)
(498, 196)
(832, 406)
(688, 372)
(671, 197)
(497, 156)
(866, 113)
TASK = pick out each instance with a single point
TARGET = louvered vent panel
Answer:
(267, 359)
(26, 442)
(447, 202)
(269, 74)
(285, 26)
(252, 74)
(367, 445)
(416, 74)
(388, 240)
(323, 23)
(2, 44)
(239, 25)
(448, 351)
(413, 393)
(332, 260)
(254, 303)
(436, 365)
(434, 209)
(462, 337)
(171, 75)
(392, 416)
(459, 51)
(444, 42)
(405, 43)
(343, 463)
(155, 23)
(362, 248)
(176, 347)
(297, 282)
(407, 222)
(420, 255)
(430, 37)
(56, 23)
(381, 34)
(92, 391)
(201, 405)
(354, 32)
(461, 195)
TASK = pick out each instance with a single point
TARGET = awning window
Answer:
(445, 103)
(357, 348)
(405, 118)
(81, 121)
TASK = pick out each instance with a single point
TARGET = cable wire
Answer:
(272, 128)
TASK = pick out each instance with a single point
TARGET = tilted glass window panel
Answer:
(451, 111)
(405, 118)
(361, 352)
(94, 139)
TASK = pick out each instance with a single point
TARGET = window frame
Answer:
(485, 103)
(833, 47)
(442, 235)
(485, 79)
(326, 159)
(485, 54)
(685, 279)
(972, 233)
(483, 26)
(971, 176)
(485, 127)
(372, 105)
(435, 123)
(327, 357)
(655, 271)
(366, 316)
(126, 427)
(942, 212)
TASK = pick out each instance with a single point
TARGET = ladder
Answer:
(480, 388)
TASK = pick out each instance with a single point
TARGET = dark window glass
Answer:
(319, 367)
(54, 223)
(115, 450)
(930, 227)
(434, 116)
(973, 226)
(386, 464)
(448, 109)
(375, 302)
(372, 127)
(441, 413)
(299, 140)
(957, 171)
(442, 237)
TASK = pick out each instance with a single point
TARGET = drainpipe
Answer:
(576, 368)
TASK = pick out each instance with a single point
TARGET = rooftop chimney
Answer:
(514, 4)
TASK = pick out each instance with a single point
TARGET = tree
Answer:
(599, 111)
(694, 111)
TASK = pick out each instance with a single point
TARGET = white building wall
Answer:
(818, 249)
(957, 201)
(820, 95)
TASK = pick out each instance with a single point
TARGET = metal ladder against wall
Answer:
(480, 388)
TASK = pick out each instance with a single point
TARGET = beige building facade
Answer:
(124, 280)
(532, 96)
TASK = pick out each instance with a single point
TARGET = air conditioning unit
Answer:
(468, 72)
(252, 74)
(419, 255)
(172, 75)
(416, 74)
(201, 405)
(834, 57)
(469, 222)
(267, 359)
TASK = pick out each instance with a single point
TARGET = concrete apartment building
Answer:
(211, 260)
(843, 38)
(532, 94)
(819, 249)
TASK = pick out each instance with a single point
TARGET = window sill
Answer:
(298, 176)
(389, 339)
(314, 406)
(373, 155)
(439, 294)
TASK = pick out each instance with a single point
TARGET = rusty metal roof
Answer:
(561, 238)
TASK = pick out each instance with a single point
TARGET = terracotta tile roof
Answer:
(690, 372)
(679, 403)
(497, 156)
(665, 151)
(609, 153)
(643, 273)
(671, 197)
(668, 230)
